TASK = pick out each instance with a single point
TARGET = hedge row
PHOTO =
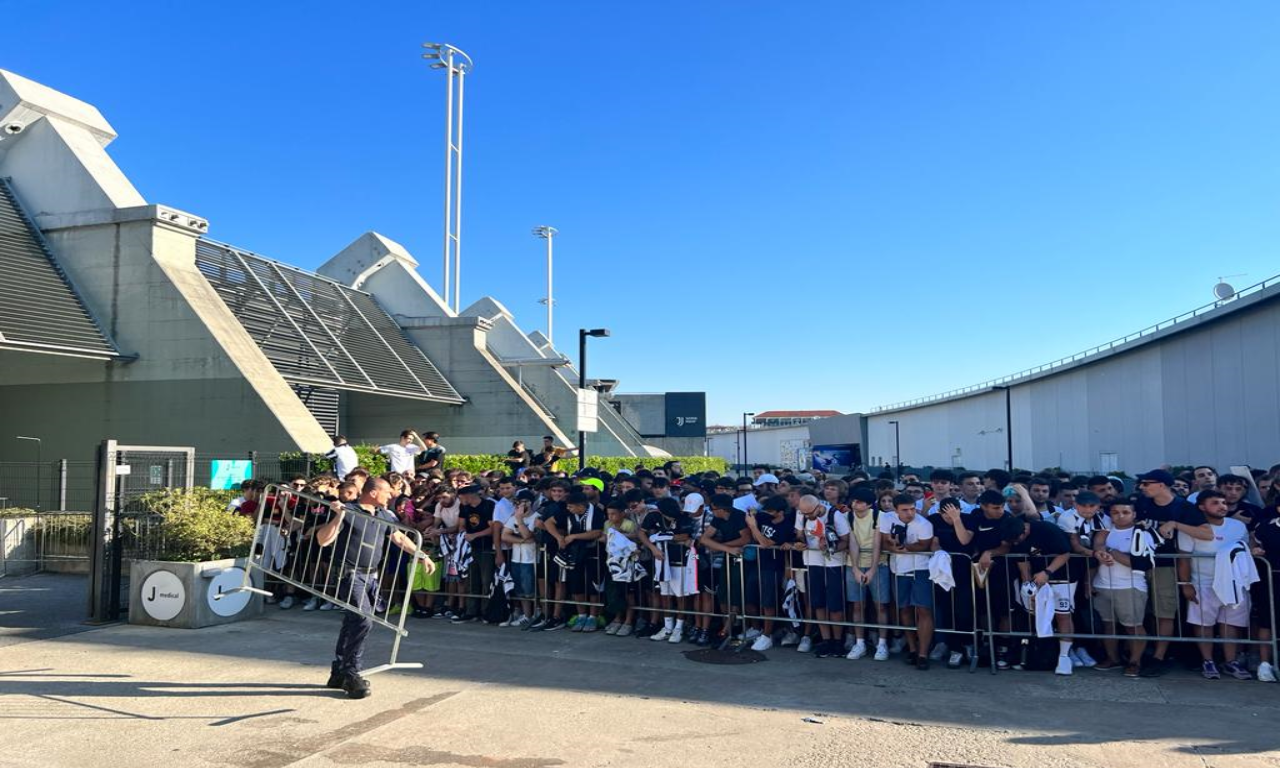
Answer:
(485, 462)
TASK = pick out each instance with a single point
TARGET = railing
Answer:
(1081, 356)
(62, 541)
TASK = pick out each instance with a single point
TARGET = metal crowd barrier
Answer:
(1100, 616)
(286, 552)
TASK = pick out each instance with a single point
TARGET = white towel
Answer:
(1233, 572)
(791, 603)
(621, 555)
(940, 570)
(1041, 602)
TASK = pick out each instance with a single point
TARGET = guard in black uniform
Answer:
(361, 543)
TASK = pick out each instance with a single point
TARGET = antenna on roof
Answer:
(1223, 290)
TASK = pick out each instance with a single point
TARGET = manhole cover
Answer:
(717, 656)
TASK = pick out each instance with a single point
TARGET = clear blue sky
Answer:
(836, 205)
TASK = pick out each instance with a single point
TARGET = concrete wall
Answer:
(646, 412)
(777, 446)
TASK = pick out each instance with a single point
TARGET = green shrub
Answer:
(196, 525)
(368, 455)
(17, 512)
(478, 463)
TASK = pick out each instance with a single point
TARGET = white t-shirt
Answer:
(503, 509)
(1202, 565)
(815, 534)
(918, 530)
(344, 460)
(527, 552)
(400, 457)
(1119, 576)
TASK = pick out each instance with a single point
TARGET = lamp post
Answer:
(745, 462)
(457, 64)
(548, 234)
(1008, 428)
(39, 462)
(897, 452)
(583, 333)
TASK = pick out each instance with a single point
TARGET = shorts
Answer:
(826, 588)
(1125, 607)
(914, 590)
(1164, 592)
(877, 591)
(1064, 597)
(579, 578)
(683, 580)
(763, 586)
(522, 575)
(728, 587)
(1209, 610)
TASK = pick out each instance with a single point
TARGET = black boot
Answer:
(355, 686)
(335, 677)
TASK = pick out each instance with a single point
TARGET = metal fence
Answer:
(62, 542)
(61, 485)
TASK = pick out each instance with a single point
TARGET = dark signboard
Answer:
(837, 459)
(686, 414)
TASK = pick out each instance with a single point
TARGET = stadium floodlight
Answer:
(458, 64)
(547, 233)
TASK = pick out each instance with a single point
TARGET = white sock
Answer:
(668, 623)
(860, 642)
(882, 643)
(680, 624)
(1064, 647)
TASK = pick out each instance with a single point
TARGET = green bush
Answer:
(478, 463)
(368, 455)
(196, 525)
(17, 512)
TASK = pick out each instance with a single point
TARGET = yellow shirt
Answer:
(864, 532)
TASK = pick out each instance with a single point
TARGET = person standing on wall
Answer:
(400, 455)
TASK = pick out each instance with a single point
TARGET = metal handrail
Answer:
(1079, 356)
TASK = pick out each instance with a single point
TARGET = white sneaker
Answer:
(764, 643)
(956, 660)
(613, 628)
(522, 622)
(660, 635)
(882, 652)
(791, 638)
(752, 634)
(507, 621)
(311, 604)
(677, 635)
(1065, 666)
(858, 651)
(1266, 672)
(286, 603)
(938, 652)
(1085, 658)
(897, 645)
(328, 607)
(806, 645)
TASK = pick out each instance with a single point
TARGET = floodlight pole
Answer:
(458, 64)
(548, 234)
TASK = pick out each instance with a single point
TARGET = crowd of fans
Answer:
(1046, 570)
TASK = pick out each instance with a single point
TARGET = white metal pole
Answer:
(457, 211)
(448, 173)
(550, 235)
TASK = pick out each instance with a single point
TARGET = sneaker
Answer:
(1002, 658)
(625, 630)
(1085, 658)
(1210, 671)
(661, 635)
(806, 645)
(1065, 666)
(849, 640)
(613, 628)
(589, 624)
(825, 648)
(752, 634)
(523, 623)
(507, 621)
(271, 600)
(1106, 665)
(311, 604)
(938, 652)
(858, 650)
(956, 661)
(1266, 672)
(911, 658)
(1132, 671)
(1075, 660)
(329, 607)
(539, 623)
(791, 638)
(445, 614)
(1157, 667)
(648, 630)
(677, 635)
(762, 643)
(1237, 670)
(460, 619)
(882, 652)
(381, 605)
(922, 664)
(287, 603)
(554, 624)
(578, 624)
(356, 687)
(703, 638)
(897, 645)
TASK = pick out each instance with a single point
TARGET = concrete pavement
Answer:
(251, 695)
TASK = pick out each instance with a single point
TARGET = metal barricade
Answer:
(1134, 606)
(287, 554)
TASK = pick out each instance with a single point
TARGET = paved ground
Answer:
(42, 606)
(250, 695)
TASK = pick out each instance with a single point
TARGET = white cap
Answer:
(766, 478)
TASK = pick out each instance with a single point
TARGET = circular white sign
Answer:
(163, 596)
(231, 602)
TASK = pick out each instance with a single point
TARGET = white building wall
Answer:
(778, 446)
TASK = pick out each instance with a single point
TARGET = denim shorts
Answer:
(877, 591)
(522, 575)
(915, 589)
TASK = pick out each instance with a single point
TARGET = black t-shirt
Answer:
(436, 453)
(729, 528)
(1265, 527)
(988, 533)
(1246, 509)
(945, 533)
(674, 552)
(1151, 515)
(779, 533)
(475, 519)
(1044, 542)
(361, 539)
(517, 459)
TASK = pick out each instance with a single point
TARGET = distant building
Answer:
(790, 418)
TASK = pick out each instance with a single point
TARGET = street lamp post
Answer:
(897, 451)
(458, 64)
(548, 234)
(39, 462)
(745, 462)
(583, 333)
(1008, 428)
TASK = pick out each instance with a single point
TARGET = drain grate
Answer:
(717, 656)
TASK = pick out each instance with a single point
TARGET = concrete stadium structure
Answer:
(120, 318)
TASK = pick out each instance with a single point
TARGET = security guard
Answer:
(360, 533)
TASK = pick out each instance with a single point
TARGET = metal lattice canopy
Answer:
(316, 331)
(39, 309)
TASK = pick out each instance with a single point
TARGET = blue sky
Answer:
(788, 205)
